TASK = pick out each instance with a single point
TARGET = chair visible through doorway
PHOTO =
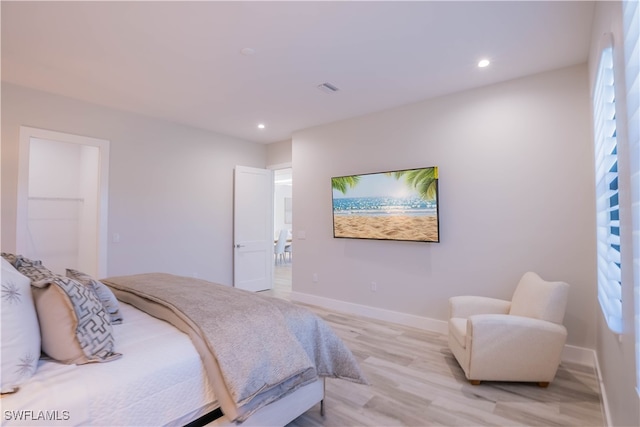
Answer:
(279, 247)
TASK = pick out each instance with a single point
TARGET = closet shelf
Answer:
(58, 199)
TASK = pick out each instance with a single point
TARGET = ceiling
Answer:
(183, 61)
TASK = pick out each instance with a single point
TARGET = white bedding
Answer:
(159, 380)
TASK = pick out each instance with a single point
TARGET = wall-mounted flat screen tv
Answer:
(395, 205)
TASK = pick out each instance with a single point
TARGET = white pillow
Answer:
(20, 330)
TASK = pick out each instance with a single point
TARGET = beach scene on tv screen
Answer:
(398, 205)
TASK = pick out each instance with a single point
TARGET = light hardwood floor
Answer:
(415, 381)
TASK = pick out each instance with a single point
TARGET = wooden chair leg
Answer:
(543, 384)
(474, 382)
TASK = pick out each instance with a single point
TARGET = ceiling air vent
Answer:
(327, 88)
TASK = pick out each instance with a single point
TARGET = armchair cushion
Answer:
(514, 348)
(540, 299)
(465, 306)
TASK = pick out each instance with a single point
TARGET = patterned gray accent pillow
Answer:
(104, 294)
(10, 257)
(74, 327)
(33, 269)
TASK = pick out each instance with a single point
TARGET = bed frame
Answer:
(278, 413)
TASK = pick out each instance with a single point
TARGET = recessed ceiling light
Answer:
(261, 126)
(484, 63)
(247, 51)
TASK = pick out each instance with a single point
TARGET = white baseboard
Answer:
(419, 322)
(603, 393)
(571, 353)
(579, 355)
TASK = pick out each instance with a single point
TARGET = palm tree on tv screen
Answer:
(423, 180)
(343, 183)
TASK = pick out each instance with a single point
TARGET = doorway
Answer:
(283, 220)
(62, 200)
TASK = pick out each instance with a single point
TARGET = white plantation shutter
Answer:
(607, 205)
(631, 15)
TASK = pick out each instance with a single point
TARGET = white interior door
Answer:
(253, 229)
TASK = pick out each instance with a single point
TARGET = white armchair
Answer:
(517, 340)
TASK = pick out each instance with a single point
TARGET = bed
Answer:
(164, 363)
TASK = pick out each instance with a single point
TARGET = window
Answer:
(631, 15)
(607, 205)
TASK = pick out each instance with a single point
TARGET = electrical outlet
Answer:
(315, 277)
(374, 286)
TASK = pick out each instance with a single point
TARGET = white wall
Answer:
(616, 354)
(171, 186)
(279, 154)
(516, 194)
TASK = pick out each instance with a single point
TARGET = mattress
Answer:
(159, 380)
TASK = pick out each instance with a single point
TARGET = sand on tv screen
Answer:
(394, 205)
